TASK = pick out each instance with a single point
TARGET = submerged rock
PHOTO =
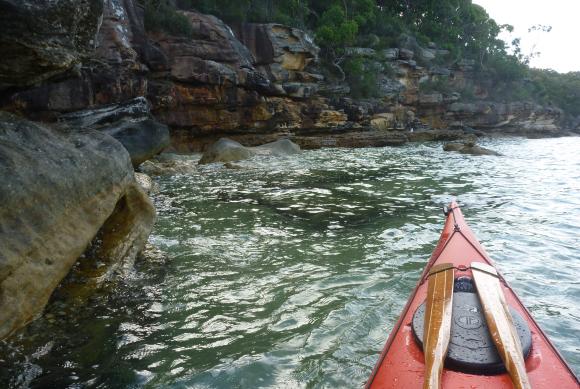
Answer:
(61, 191)
(468, 147)
(233, 166)
(169, 164)
(227, 150)
(279, 148)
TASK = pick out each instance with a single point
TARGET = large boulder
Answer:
(130, 123)
(60, 192)
(43, 38)
(143, 139)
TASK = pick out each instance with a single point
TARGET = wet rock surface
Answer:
(143, 139)
(227, 150)
(168, 164)
(468, 147)
(60, 192)
(146, 183)
(279, 148)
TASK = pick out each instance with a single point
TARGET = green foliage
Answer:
(362, 77)
(229, 11)
(290, 12)
(160, 15)
(335, 30)
(561, 90)
(459, 25)
(463, 28)
(506, 68)
(364, 13)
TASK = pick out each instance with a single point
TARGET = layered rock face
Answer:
(255, 79)
(40, 39)
(129, 122)
(105, 70)
(282, 54)
(60, 191)
(250, 82)
(417, 105)
(520, 117)
(210, 81)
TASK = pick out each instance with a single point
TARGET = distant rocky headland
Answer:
(87, 94)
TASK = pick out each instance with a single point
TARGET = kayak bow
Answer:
(482, 322)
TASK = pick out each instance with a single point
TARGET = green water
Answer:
(290, 272)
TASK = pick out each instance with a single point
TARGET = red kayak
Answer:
(475, 331)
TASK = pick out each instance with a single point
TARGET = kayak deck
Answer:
(402, 363)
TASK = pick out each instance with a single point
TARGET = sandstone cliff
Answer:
(251, 82)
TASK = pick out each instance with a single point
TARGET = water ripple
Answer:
(290, 273)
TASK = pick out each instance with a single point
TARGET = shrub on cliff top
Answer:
(362, 77)
(335, 29)
(161, 16)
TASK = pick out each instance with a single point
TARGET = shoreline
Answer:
(183, 143)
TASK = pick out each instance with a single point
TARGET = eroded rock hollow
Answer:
(60, 190)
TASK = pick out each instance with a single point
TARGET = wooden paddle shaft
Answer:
(500, 323)
(437, 330)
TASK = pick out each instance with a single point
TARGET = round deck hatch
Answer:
(471, 349)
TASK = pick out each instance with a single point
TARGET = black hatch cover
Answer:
(471, 349)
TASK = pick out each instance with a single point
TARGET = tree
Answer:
(335, 30)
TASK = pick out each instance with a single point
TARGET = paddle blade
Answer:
(437, 329)
(500, 323)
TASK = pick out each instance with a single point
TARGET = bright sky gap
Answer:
(558, 47)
